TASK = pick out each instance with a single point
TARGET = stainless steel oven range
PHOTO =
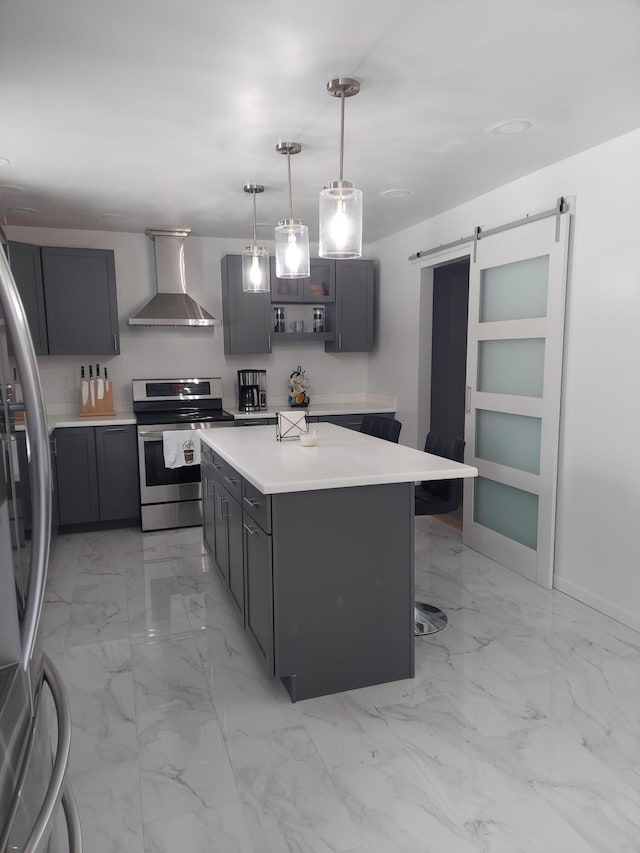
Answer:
(171, 497)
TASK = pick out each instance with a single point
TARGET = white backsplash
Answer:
(152, 352)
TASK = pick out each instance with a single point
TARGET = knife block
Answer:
(99, 407)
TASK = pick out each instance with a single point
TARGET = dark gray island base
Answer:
(322, 579)
(343, 588)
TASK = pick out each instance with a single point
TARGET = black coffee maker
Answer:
(252, 390)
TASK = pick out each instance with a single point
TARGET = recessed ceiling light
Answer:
(4, 161)
(510, 126)
(400, 192)
(21, 210)
(10, 188)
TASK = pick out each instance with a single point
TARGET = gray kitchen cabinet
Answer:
(77, 475)
(222, 523)
(246, 317)
(97, 474)
(298, 580)
(118, 482)
(80, 301)
(220, 530)
(208, 506)
(25, 509)
(235, 553)
(259, 588)
(351, 421)
(69, 297)
(351, 317)
(318, 288)
(26, 266)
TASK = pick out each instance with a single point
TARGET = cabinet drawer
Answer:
(257, 505)
(206, 454)
(228, 476)
(349, 421)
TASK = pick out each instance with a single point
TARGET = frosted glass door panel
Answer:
(511, 366)
(509, 511)
(508, 439)
(516, 291)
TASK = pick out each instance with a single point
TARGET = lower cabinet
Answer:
(349, 421)
(259, 588)
(222, 528)
(235, 554)
(25, 509)
(208, 503)
(97, 474)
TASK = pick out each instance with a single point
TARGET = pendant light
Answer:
(292, 237)
(255, 259)
(340, 201)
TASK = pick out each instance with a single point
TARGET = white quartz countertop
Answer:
(314, 410)
(341, 458)
(71, 420)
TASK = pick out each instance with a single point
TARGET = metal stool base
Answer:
(428, 619)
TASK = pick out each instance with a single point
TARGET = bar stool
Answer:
(437, 497)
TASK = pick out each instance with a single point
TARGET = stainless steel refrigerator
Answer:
(35, 798)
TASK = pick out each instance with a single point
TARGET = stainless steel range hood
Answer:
(171, 305)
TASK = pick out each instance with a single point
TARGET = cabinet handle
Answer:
(230, 480)
(251, 503)
(114, 429)
(339, 340)
(252, 531)
(223, 501)
(467, 401)
(269, 341)
(115, 342)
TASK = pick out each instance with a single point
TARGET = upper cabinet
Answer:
(319, 287)
(26, 266)
(346, 288)
(351, 316)
(246, 317)
(69, 296)
(80, 301)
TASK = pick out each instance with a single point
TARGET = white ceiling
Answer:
(161, 111)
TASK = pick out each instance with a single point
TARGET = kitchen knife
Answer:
(84, 387)
(106, 380)
(99, 383)
(92, 387)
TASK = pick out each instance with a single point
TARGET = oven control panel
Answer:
(152, 390)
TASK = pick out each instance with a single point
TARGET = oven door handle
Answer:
(150, 433)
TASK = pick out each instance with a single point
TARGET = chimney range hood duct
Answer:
(171, 305)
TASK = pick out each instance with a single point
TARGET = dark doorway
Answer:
(449, 348)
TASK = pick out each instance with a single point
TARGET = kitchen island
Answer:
(316, 547)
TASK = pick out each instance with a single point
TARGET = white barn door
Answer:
(517, 291)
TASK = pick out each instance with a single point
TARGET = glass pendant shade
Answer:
(255, 270)
(340, 221)
(256, 275)
(292, 249)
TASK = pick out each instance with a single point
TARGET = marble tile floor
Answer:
(520, 732)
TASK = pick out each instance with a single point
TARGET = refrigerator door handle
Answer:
(72, 816)
(38, 435)
(55, 791)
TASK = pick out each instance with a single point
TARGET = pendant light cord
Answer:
(290, 196)
(341, 133)
(255, 236)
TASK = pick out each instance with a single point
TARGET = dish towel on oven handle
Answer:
(181, 447)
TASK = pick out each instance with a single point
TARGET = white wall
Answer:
(597, 556)
(148, 352)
